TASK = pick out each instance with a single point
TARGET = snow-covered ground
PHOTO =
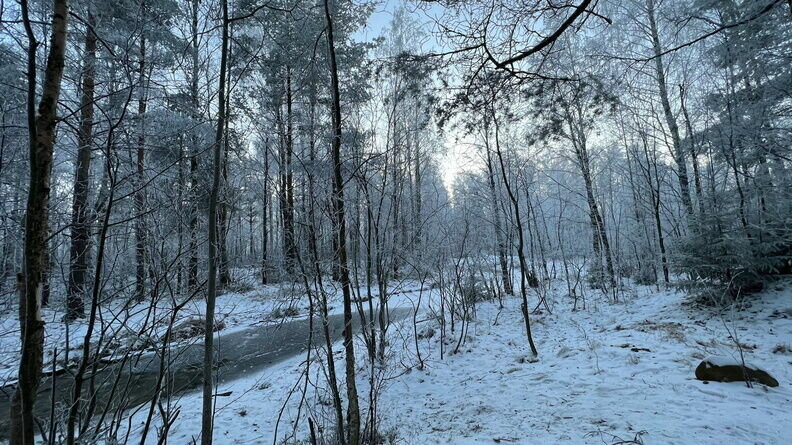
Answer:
(244, 305)
(612, 373)
(138, 326)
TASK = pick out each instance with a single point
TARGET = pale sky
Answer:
(456, 158)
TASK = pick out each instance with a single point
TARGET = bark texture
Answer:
(41, 129)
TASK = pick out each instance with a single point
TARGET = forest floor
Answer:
(610, 373)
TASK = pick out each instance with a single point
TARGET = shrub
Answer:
(720, 254)
(475, 290)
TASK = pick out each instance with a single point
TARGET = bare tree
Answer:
(339, 219)
(677, 149)
(524, 273)
(207, 418)
(41, 131)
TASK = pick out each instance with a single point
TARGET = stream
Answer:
(239, 354)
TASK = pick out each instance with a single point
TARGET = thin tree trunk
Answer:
(313, 247)
(264, 219)
(41, 131)
(600, 241)
(140, 198)
(597, 224)
(223, 217)
(508, 287)
(287, 186)
(207, 417)
(692, 143)
(654, 191)
(192, 262)
(678, 153)
(418, 197)
(520, 240)
(79, 376)
(180, 195)
(638, 211)
(353, 410)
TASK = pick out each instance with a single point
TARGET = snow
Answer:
(134, 327)
(246, 304)
(609, 373)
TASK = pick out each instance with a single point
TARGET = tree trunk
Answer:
(353, 410)
(600, 241)
(678, 153)
(264, 219)
(600, 235)
(418, 245)
(192, 262)
(80, 230)
(207, 417)
(140, 196)
(508, 288)
(287, 186)
(692, 144)
(223, 217)
(79, 375)
(41, 131)
(520, 239)
(653, 182)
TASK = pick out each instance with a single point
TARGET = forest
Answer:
(395, 222)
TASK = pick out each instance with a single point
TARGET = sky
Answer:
(455, 158)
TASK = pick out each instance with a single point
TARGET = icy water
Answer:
(131, 383)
